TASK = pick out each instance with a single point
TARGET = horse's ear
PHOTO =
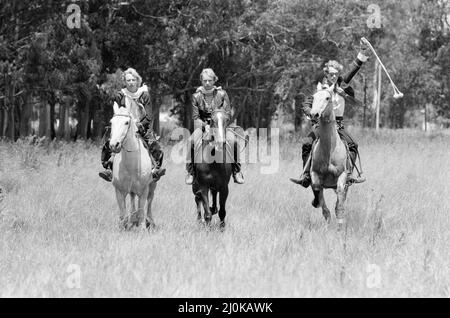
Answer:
(319, 86)
(116, 108)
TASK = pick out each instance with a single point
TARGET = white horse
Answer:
(132, 170)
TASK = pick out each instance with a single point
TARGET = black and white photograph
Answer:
(234, 150)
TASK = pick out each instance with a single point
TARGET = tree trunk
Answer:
(25, 116)
(83, 124)
(375, 93)
(156, 104)
(4, 110)
(1, 121)
(188, 122)
(51, 109)
(12, 126)
(66, 120)
(44, 120)
(98, 123)
(62, 118)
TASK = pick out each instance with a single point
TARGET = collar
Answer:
(203, 91)
(136, 94)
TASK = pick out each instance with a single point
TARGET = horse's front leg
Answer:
(214, 202)
(223, 195)
(316, 187)
(149, 223)
(141, 206)
(133, 216)
(198, 203)
(341, 191)
(319, 200)
(205, 200)
(120, 197)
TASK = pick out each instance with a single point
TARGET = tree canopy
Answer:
(265, 53)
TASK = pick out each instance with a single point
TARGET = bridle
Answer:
(128, 128)
(330, 101)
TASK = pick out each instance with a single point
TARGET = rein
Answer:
(128, 128)
(328, 121)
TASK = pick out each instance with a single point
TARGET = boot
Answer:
(157, 173)
(157, 155)
(106, 175)
(304, 180)
(238, 177)
(108, 165)
(189, 178)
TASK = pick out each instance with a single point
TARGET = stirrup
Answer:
(359, 179)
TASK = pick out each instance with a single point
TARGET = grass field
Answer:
(59, 235)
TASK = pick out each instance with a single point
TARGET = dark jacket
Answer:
(147, 119)
(201, 113)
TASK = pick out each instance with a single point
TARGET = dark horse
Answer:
(213, 168)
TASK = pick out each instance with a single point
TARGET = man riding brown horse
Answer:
(206, 99)
(332, 71)
(136, 99)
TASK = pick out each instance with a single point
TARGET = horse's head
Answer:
(219, 123)
(121, 123)
(321, 106)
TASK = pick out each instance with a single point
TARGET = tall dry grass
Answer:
(56, 213)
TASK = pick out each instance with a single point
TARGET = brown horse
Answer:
(213, 168)
(330, 164)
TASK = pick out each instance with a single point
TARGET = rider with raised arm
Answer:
(332, 76)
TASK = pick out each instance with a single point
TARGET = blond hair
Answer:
(333, 64)
(135, 74)
(208, 72)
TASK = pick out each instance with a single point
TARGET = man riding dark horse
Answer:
(206, 99)
(342, 91)
(136, 99)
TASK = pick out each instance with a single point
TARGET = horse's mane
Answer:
(123, 111)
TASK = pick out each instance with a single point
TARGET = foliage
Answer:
(266, 54)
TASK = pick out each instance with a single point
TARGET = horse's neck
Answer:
(131, 143)
(327, 133)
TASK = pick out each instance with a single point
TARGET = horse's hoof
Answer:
(123, 223)
(222, 226)
(327, 216)
(151, 226)
(315, 203)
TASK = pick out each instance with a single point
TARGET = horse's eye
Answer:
(127, 123)
(327, 98)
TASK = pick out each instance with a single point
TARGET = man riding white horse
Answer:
(332, 71)
(136, 99)
(206, 99)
